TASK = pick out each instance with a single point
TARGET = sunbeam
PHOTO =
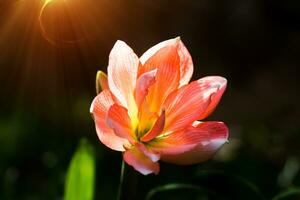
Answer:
(59, 15)
(48, 49)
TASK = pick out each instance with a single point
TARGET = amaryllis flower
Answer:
(148, 109)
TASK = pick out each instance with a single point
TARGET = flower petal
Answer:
(192, 102)
(99, 109)
(154, 156)
(143, 83)
(157, 128)
(177, 142)
(122, 75)
(166, 60)
(216, 97)
(186, 63)
(119, 121)
(140, 162)
(108, 137)
(214, 134)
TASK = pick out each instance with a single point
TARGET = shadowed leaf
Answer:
(178, 186)
(228, 186)
(290, 194)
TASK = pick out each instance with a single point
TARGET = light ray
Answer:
(46, 35)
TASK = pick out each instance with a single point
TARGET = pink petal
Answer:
(99, 109)
(157, 128)
(101, 82)
(178, 142)
(119, 121)
(216, 97)
(186, 63)
(122, 75)
(143, 83)
(192, 102)
(154, 156)
(166, 60)
(108, 137)
(215, 134)
(140, 162)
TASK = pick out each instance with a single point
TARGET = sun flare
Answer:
(59, 10)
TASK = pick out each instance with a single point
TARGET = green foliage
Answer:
(80, 177)
(290, 194)
(229, 186)
(209, 185)
(176, 186)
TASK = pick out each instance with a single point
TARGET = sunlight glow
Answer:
(68, 13)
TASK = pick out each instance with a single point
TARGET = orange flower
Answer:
(149, 110)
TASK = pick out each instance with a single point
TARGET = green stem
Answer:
(121, 180)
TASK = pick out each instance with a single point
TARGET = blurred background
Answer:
(50, 51)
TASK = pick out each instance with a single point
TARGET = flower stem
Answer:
(121, 180)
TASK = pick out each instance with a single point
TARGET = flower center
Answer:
(142, 129)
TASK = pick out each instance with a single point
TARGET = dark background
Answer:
(47, 84)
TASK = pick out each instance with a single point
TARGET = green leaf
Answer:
(175, 186)
(228, 186)
(80, 177)
(101, 81)
(292, 193)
